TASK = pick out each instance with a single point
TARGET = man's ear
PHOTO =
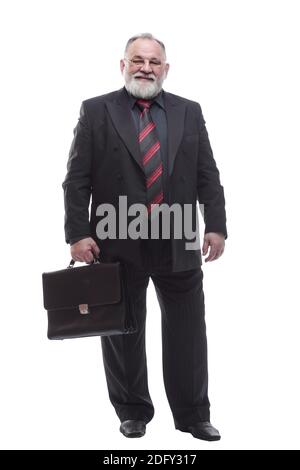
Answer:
(167, 69)
(122, 65)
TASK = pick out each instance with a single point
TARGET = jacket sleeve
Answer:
(77, 183)
(209, 189)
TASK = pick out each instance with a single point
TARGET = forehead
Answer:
(146, 48)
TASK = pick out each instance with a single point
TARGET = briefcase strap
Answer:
(72, 262)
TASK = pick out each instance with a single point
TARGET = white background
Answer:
(240, 61)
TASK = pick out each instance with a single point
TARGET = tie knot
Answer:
(144, 104)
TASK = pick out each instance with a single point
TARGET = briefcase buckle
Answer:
(83, 309)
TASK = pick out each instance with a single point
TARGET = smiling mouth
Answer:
(144, 78)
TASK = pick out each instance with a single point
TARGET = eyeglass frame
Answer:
(133, 64)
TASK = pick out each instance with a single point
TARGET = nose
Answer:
(146, 66)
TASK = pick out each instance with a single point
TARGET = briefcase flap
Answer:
(95, 284)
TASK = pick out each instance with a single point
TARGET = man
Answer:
(152, 147)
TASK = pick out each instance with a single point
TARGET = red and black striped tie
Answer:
(150, 154)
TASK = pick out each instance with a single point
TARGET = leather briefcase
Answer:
(88, 300)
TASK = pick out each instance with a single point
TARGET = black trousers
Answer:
(184, 345)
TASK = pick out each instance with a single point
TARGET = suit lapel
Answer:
(120, 113)
(175, 110)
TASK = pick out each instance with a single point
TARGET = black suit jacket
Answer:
(104, 162)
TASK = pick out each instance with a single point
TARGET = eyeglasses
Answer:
(138, 63)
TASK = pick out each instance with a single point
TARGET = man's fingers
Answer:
(214, 253)
(95, 249)
(85, 250)
(205, 247)
(88, 257)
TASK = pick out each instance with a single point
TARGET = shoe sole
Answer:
(133, 434)
(198, 436)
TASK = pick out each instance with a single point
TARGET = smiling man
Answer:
(151, 146)
(144, 77)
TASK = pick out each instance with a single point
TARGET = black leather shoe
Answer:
(133, 428)
(202, 430)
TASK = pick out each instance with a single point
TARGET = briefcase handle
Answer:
(95, 261)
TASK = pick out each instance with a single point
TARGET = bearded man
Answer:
(151, 146)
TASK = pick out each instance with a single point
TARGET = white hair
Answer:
(145, 36)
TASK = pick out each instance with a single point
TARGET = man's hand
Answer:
(216, 242)
(85, 250)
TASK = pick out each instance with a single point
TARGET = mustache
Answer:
(140, 75)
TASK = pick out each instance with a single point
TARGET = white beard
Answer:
(145, 91)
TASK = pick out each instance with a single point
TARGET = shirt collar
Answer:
(158, 99)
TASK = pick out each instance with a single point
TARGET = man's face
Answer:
(144, 68)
